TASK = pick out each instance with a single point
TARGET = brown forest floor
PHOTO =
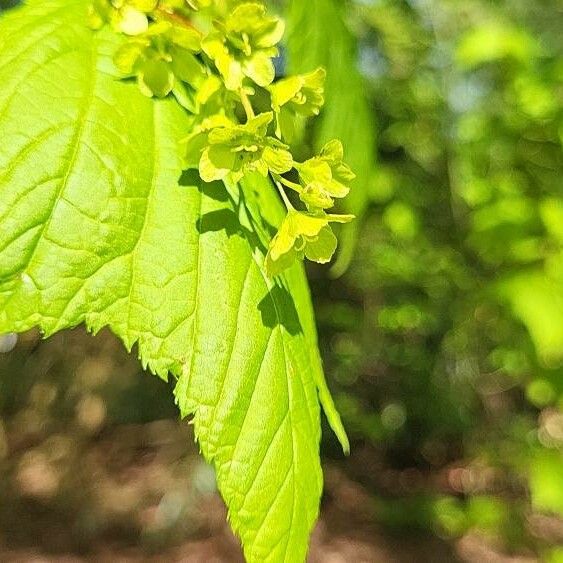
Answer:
(112, 503)
(78, 482)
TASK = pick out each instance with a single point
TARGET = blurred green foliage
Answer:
(444, 339)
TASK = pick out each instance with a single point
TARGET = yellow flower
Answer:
(243, 45)
(303, 234)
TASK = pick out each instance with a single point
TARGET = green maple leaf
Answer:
(98, 225)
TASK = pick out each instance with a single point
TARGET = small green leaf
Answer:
(156, 78)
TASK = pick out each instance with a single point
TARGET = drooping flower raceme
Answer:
(216, 58)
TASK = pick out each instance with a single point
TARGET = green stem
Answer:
(284, 195)
(292, 185)
(246, 104)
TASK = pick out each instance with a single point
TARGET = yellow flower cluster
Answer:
(214, 57)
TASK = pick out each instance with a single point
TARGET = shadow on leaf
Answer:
(7, 4)
(278, 308)
(221, 219)
(213, 190)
